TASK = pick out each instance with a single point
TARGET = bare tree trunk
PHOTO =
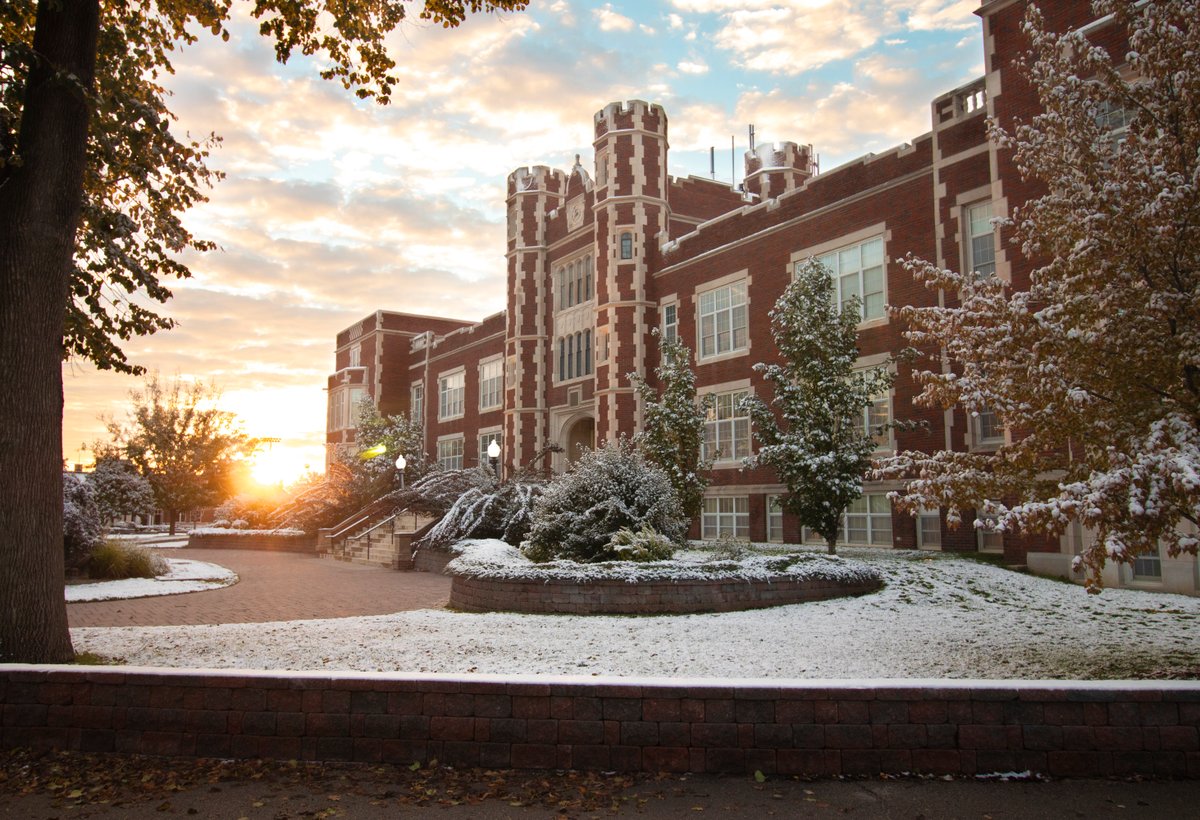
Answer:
(39, 211)
(831, 544)
(172, 517)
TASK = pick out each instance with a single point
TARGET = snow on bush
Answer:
(609, 488)
(497, 560)
(279, 532)
(486, 509)
(81, 520)
(644, 545)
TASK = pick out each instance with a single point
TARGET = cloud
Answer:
(610, 20)
(690, 67)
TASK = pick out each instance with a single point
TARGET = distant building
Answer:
(599, 258)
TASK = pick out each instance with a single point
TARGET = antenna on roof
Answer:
(751, 137)
(732, 155)
(712, 161)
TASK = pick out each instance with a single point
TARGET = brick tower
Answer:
(631, 212)
(773, 169)
(532, 194)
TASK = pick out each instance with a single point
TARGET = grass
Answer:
(112, 561)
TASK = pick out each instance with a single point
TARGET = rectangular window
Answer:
(723, 320)
(981, 242)
(877, 418)
(356, 356)
(562, 360)
(987, 537)
(988, 432)
(670, 323)
(587, 352)
(562, 288)
(416, 404)
(727, 430)
(451, 390)
(450, 453)
(1148, 566)
(587, 277)
(484, 440)
(774, 520)
(726, 517)
(858, 271)
(929, 530)
(353, 398)
(491, 384)
(626, 245)
(868, 521)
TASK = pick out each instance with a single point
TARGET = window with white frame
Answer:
(857, 270)
(451, 389)
(575, 355)
(416, 403)
(929, 529)
(627, 245)
(722, 320)
(986, 429)
(866, 522)
(670, 322)
(981, 240)
(1114, 120)
(725, 517)
(877, 416)
(491, 384)
(450, 453)
(487, 438)
(727, 429)
(774, 520)
(356, 356)
(988, 537)
(1148, 566)
(343, 407)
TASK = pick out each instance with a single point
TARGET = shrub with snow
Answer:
(486, 509)
(82, 530)
(644, 545)
(609, 488)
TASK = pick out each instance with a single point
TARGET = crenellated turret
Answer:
(631, 212)
(773, 169)
(532, 194)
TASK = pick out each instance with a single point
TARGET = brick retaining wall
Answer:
(619, 597)
(818, 728)
(270, 543)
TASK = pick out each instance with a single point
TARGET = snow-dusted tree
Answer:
(1096, 367)
(82, 529)
(119, 489)
(813, 433)
(378, 440)
(672, 435)
(609, 488)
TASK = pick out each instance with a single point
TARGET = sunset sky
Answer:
(333, 208)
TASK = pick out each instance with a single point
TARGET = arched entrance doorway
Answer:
(580, 435)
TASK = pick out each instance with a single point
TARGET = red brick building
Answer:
(600, 257)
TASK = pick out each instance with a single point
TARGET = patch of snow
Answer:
(286, 532)
(182, 575)
(939, 616)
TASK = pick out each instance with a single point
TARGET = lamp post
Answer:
(401, 463)
(493, 452)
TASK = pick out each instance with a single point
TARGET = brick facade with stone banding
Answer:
(601, 255)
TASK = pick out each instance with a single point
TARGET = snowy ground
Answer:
(183, 575)
(938, 617)
(157, 540)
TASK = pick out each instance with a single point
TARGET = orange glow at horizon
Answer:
(281, 465)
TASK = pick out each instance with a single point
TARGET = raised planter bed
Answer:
(491, 576)
(269, 540)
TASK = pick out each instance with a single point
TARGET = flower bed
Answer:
(491, 575)
(276, 540)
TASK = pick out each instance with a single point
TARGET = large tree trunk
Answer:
(831, 545)
(39, 212)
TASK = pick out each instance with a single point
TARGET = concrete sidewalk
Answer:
(109, 786)
(274, 586)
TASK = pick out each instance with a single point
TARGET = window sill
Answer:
(451, 418)
(490, 408)
(720, 357)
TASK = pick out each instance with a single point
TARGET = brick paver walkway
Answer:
(274, 586)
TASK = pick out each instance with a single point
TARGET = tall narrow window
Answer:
(626, 245)
(578, 268)
(587, 352)
(929, 529)
(451, 389)
(988, 432)
(562, 359)
(727, 430)
(416, 405)
(774, 520)
(982, 240)
(578, 354)
(587, 277)
(570, 289)
(858, 271)
(670, 323)
(723, 320)
(562, 289)
(491, 384)
(450, 453)
(570, 358)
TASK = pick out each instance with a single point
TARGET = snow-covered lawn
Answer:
(183, 575)
(938, 617)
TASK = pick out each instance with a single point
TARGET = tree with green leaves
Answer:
(120, 489)
(813, 432)
(187, 448)
(92, 185)
(1096, 366)
(672, 435)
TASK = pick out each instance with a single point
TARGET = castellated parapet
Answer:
(774, 168)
